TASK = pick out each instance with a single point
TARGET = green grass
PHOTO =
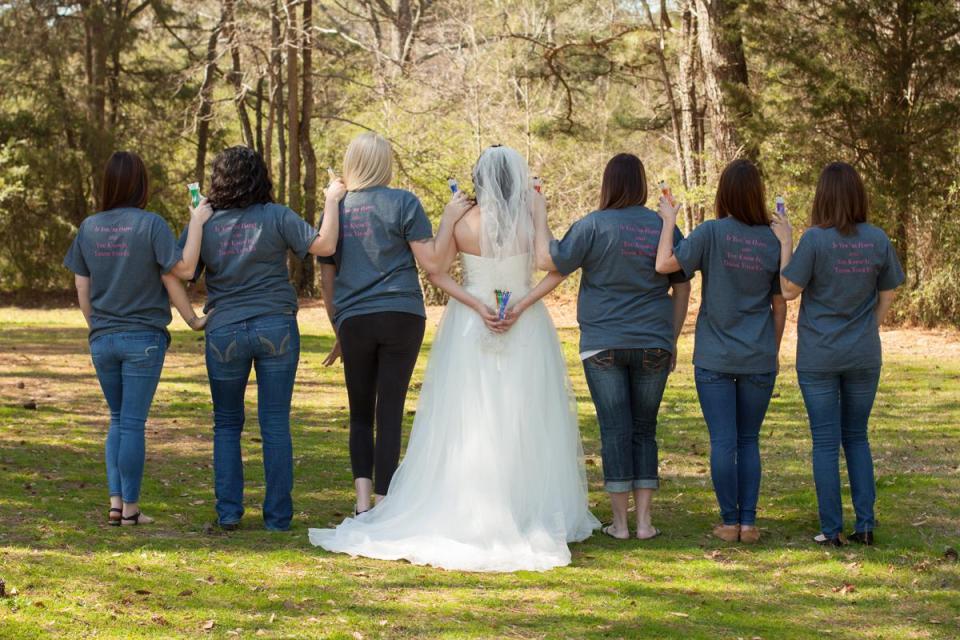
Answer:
(75, 577)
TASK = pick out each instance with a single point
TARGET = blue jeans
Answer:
(128, 365)
(627, 386)
(734, 406)
(839, 405)
(271, 344)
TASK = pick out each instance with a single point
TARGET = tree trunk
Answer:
(236, 73)
(258, 114)
(98, 140)
(293, 131)
(725, 77)
(690, 122)
(308, 283)
(277, 105)
(205, 112)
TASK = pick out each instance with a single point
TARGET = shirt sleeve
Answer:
(800, 269)
(570, 253)
(74, 258)
(414, 223)
(891, 273)
(181, 243)
(691, 251)
(166, 251)
(678, 276)
(297, 232)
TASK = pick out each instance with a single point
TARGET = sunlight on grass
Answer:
(73, 576)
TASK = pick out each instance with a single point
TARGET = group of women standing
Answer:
(634, 290)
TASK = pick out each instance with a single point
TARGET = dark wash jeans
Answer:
(627, 386)
(839, 406)
(128, 365)
(271, 344)
(734, 406)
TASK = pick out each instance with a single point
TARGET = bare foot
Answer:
(614, 532)
(647, 533)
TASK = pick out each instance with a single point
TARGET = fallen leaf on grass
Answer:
(678, 614)
(185, 593)
(357, 635)
(208, 625)
(142, 592)
(160, 620)
(951, 554)
(845, 588)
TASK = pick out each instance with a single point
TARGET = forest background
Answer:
(685, 84)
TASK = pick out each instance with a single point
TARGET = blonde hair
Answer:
(368, 162)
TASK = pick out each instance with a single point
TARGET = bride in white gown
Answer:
(493, 478)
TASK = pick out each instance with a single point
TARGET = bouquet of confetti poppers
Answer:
(503, 298)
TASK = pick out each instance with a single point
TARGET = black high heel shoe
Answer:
(862, 537)
(824, 541)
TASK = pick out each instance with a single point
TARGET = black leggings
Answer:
(379, 353)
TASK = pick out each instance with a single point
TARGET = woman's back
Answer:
(244, 255)
(124, 252)
(376, 269)
(841, 276)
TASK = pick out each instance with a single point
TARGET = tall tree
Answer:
(307, 283)
(725, 77)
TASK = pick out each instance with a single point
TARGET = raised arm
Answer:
(180, 299)
(784, 232)
(83, 296)
(432, 253)
(666, 261)
(884, 302)
(543, 235)
(325, 244)
(187, 267)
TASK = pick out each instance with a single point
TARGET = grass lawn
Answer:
(69, 575)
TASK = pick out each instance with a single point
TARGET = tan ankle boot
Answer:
(727, 532)
(749, 535)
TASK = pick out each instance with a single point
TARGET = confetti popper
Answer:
(537, 184)
(665, 190)
(503, 298)
(454, 187)
(194, 189)
(781, 206)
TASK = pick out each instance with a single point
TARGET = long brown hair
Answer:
(125, 182)
(841, 199)
(740, 194)
(624, 183)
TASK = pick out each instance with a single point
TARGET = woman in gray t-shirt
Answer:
(846, 270)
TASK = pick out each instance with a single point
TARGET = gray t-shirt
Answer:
(740, 264)
(841, 277)
(244, 258)
(376, 270)
(124, 252)
(623, 302)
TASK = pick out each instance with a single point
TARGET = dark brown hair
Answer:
(624, 183)
(740, 194)
(125, 182)
(238, 179)
(841, 200)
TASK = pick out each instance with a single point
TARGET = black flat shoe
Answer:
(229, 526)
(862, 537)
(114, 521)
(824, 541)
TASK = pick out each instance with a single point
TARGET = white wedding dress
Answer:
(493, 478)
